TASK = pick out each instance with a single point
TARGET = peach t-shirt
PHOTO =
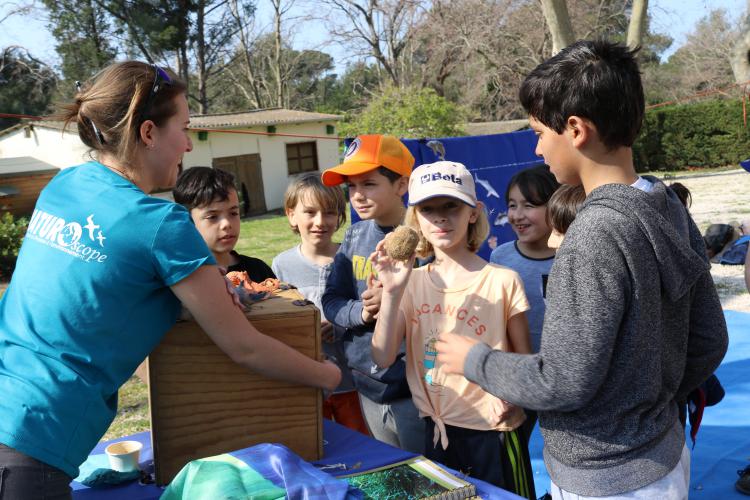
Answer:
(479, 310)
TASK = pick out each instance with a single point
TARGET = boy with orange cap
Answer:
(376, 170)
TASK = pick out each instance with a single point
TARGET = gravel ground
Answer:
(722, 198)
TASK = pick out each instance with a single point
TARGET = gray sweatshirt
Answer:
(633, 324)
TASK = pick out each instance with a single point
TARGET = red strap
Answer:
(698, 403)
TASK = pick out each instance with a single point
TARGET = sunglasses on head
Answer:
(161, 78)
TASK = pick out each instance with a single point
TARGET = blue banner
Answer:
(493, 160)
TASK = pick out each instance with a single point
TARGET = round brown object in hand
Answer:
(401, 243)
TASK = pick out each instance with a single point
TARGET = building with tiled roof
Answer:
(263, 148)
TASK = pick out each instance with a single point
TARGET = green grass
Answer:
(132, 410)
(268, 235)
(263, 237)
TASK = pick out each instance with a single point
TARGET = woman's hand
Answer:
(204, 294)
(332, 376)
(392, 274)
(231, 289)
(452, 351)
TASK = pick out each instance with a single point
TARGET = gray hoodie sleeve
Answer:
(708, 339)
(588, 291)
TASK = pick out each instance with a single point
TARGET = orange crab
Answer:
(241, 278)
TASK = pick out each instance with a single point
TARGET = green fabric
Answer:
(222, 477)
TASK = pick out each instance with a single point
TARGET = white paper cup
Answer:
(123, 456)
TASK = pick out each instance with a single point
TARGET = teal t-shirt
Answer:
(88, 301)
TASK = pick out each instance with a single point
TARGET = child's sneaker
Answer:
(743, 483)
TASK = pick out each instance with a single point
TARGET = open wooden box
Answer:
(203, 404)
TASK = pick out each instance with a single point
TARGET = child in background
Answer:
(527, 195)
(376, 169)
(469, 429)
(562, 208)
(683, 193)
(210, 196)
(316, 212)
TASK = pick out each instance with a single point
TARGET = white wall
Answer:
(49, 145)
(67, 150)
(272, 151)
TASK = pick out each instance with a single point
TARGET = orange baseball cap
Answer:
(368, 152)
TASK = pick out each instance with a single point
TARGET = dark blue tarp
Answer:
(493, 159)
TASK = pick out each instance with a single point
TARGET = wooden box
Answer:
(204, 404)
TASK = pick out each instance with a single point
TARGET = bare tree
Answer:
(476, 52)
(244, 73)
(10, 9)
(601, 17)
(705, 60)
(381, 29)
(441, 43)
(265, 68)
(741, 50)
(637, 26)
(280, 9)
(558, 22)
(259, 65)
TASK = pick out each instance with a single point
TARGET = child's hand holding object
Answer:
(393, 272)
(401, 243)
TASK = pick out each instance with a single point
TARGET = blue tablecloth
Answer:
(352, 450)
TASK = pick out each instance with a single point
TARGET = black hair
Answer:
(536, 185)
(597, 80)
(683, 193)
(386, 172)
(200, 186)
(390, 174)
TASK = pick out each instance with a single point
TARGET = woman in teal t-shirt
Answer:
(101, 276)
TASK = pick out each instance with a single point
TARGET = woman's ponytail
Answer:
(107, 109)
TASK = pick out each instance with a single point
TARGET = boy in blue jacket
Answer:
(376, 171)
(633, 321)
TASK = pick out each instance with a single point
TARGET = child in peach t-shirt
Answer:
(459, 292)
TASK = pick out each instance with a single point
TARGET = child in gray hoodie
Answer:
(633, 321)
